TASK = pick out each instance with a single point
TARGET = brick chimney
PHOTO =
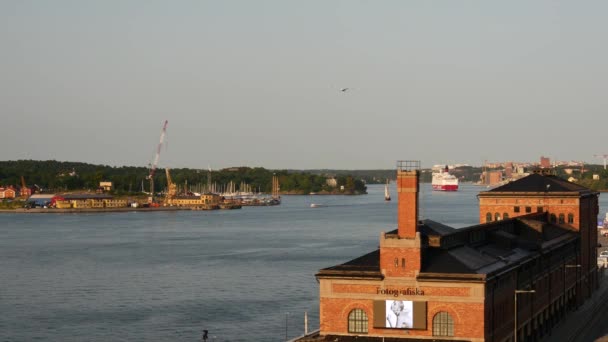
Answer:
(408, 185)
(400, 256)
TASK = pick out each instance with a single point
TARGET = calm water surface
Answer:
(245, 275)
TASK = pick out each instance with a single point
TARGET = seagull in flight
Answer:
(343, 89)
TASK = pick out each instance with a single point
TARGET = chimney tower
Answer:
(408, 187)
(400, 254)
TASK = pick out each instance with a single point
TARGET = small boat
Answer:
(387, 196)
(228, 205)
(316, 205)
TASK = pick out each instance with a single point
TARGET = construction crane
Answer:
(155, 163)
(604, 156)
(171, 189)
(25, 191)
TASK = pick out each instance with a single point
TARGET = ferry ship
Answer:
(444, 181)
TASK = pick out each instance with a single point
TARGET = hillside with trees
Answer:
(56, 176)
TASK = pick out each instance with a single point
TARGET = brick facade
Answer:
(469, 292)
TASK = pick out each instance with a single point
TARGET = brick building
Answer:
(545, 162)
(25, 192)
(429, 281)
(7, 193)
(564, 203)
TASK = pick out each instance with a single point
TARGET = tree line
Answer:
(57, 176)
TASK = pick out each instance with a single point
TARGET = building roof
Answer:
(188, 197)
(42, 196)
(539, 183)
(482, 250)
(366, 266)
(69, 197)
(478, 251)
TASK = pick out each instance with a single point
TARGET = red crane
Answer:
(155, 163)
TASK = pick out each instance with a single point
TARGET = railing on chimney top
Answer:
(408, 165)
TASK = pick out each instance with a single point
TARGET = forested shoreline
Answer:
(56, 176)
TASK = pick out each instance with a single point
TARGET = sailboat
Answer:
(387, 196)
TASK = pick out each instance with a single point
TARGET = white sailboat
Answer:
(387, 195)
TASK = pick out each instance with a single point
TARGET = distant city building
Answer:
(545, 162)
(509, 169)
(596, 177)
(491, 177)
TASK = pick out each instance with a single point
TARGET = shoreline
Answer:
(87, 210)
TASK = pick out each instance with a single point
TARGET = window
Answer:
(528, 209)
(562, 219)
(443, 324)
(505, 216)
(497, 216)
(489, 217)
(357, 321)
(539, 209)
(570, 218)
(553, 218)
(515, 209)
(402, 262)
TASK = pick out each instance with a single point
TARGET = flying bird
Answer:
(343, 90)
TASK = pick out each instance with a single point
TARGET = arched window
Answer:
(489, 217)
(570, 218)
(443, 324)
(357, 321)
(562, 218)
(497, 217)
(505, 216)
(553, 218)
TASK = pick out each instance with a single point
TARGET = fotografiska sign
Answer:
(400, 292)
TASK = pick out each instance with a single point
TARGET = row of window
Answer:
(505, 216)
(443, 324)
(561, 219)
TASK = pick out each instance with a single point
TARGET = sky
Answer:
(258, 83)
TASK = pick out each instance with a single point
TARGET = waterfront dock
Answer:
(89, 210)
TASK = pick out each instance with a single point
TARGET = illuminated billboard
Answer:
(399, 314)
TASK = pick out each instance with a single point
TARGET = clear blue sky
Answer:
(257, 83)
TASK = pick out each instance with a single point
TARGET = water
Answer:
(245, 275)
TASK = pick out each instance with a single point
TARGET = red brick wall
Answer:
(391, 261)
(585, 211)
(468, 318)
(407, 207)
(428, 291)
(556, 206)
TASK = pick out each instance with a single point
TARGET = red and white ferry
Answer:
(444, 181)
